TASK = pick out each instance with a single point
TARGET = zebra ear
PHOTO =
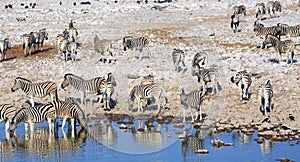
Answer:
(268, 82)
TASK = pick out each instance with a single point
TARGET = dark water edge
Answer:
(87, 148)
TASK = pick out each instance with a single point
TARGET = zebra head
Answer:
(127, 43)
(7, 43)
(269, 39)
(19, 82)
(66, 81)
(236, 78)
(110, 78)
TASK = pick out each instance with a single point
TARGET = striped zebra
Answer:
(33, 115)
(72, 31)
(272, 7)
(262, 31)
(290, 31)
(28, 41)
(286, 46)
(107, 89)
(243, 80)
(209, 75)
(4, 45)
(192, 100)
(91, 86)
(199, 62)
(40, 37)
(39, 90)
(139, 93)
(265, 94)
(178, 57)
(260, 10)
(69, 48)
(235, 21)
(239, 10)
(69, 110)
(136, 44)
(7, 112)
(102, 46)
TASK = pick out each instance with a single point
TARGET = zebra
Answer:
(199, 62)
(192, 100)
(35, 89)
(28, 41)
(273, 6)
(178, 57)
(290, 31)
(68, 47)
(136, 43)
(4, 45)
(265, 94)
(239, 10)
(262, 31)
(209, 75)
(59, 38)
(243, 80)
(147, 91)
(91, 86)
(7, 112)
(235, 21)
(260, 10)
(72, 32)
(69, 110)
(32, 115)
(40, 36)
(102, 46)
(107, 89)
(286, 46)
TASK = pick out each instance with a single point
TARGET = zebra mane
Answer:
(73, 76)
(20, 78)
(17, 118)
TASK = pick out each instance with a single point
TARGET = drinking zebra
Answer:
(4, 45)
(286, 46)
(243, 80)
(199, 62)
(40, 37)
(7, 112)
(28, 41)
(68, 47)
(239, 10)
(273, 6)
(108, 89)
(69, 110)
(147, 91)
(32, 115)
(91, 86)
(36, 89)
(290, 31)
(136, 44)
(102, 46)
(260, 10)
(192, 100)
(178, 57)
(265, 94)
(209, 75)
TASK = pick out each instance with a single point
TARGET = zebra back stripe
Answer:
(7, 112)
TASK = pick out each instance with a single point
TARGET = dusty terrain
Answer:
(186, 26)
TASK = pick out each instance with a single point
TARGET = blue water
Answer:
(105, 141)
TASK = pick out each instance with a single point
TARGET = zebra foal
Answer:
(102, 46)
(39, 90)
(192, 100)
(28, 41)
(7, 112)
(151, 92)
(107, 90)
(272, 7)
(68, 47)
(199, 62)
(286, 46)
(239, 10)
(265, 94)
(260, 10)
(136, 44)
(178, 57)
(243, 80)
(32, 115)
(4, 46)
(72, 32)
(69, 110)
(40, 37)
(209, 75)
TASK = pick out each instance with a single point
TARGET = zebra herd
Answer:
(69, 109)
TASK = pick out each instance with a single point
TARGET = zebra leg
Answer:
(7, 125)
(26, 127)
(51, 127)
(31, 101)
(279, 57)
(63, 123)
(73, 123)
(31, 126)
(183, 114)
(241, 94)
